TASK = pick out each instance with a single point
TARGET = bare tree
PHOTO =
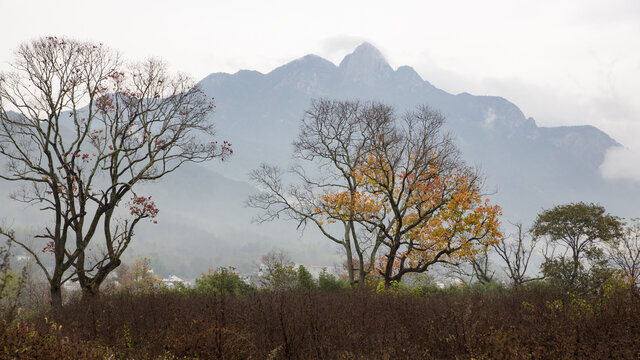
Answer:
(482, 268)
(278, 269)
(332, 141)
(516, 256)
(84, 129)
(624, 251)
(476, 269)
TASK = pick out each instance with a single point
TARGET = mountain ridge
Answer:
(490, 130)
(308, 65)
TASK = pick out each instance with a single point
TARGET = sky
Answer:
(570, 62)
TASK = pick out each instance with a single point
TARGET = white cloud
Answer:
(335, 47)
(489, 118)
(621, 163)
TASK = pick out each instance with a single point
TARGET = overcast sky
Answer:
(561, 62)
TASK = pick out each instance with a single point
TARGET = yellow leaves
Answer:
(444, 213)
(348, 205)
(431, 209)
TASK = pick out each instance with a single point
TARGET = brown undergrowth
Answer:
(537, 323)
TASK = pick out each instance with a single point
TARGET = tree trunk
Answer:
(91, 286)
(56, 297)
(91, 292)
(574, 272)
(347, 247)
(387, 282)
(361, 276)
(388, 270)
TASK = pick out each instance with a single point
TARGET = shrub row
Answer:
(521, 324)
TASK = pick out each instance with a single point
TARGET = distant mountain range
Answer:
(203, 221)
(528, 167)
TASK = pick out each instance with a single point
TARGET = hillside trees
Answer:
(397, 186)
(79, 129)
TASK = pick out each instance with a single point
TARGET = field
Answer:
(533, 323)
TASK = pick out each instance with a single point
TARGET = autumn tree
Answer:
(394, 186)
(580, 230)
(424, 205)
(142, 278)
(331, 145)
(79, 129)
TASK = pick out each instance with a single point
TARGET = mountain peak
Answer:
(310, 62)
(365, 52)
(365, 64)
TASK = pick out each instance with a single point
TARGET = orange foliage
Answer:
(430, 214)
(346, 205)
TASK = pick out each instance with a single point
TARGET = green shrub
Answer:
(492, 286)
(305, 279)
(11, 286)
(222, 281)
(328, 282)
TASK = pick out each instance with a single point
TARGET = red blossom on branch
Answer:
(226, 147)
(226, 150)
(49, 247)
(105, 104)
(143, 207)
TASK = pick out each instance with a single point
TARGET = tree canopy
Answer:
(580, 229)
(397, 186)
(79, 129)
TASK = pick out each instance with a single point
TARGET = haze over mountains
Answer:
(203, 221)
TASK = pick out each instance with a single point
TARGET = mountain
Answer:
(527, 166)
(203, 221)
